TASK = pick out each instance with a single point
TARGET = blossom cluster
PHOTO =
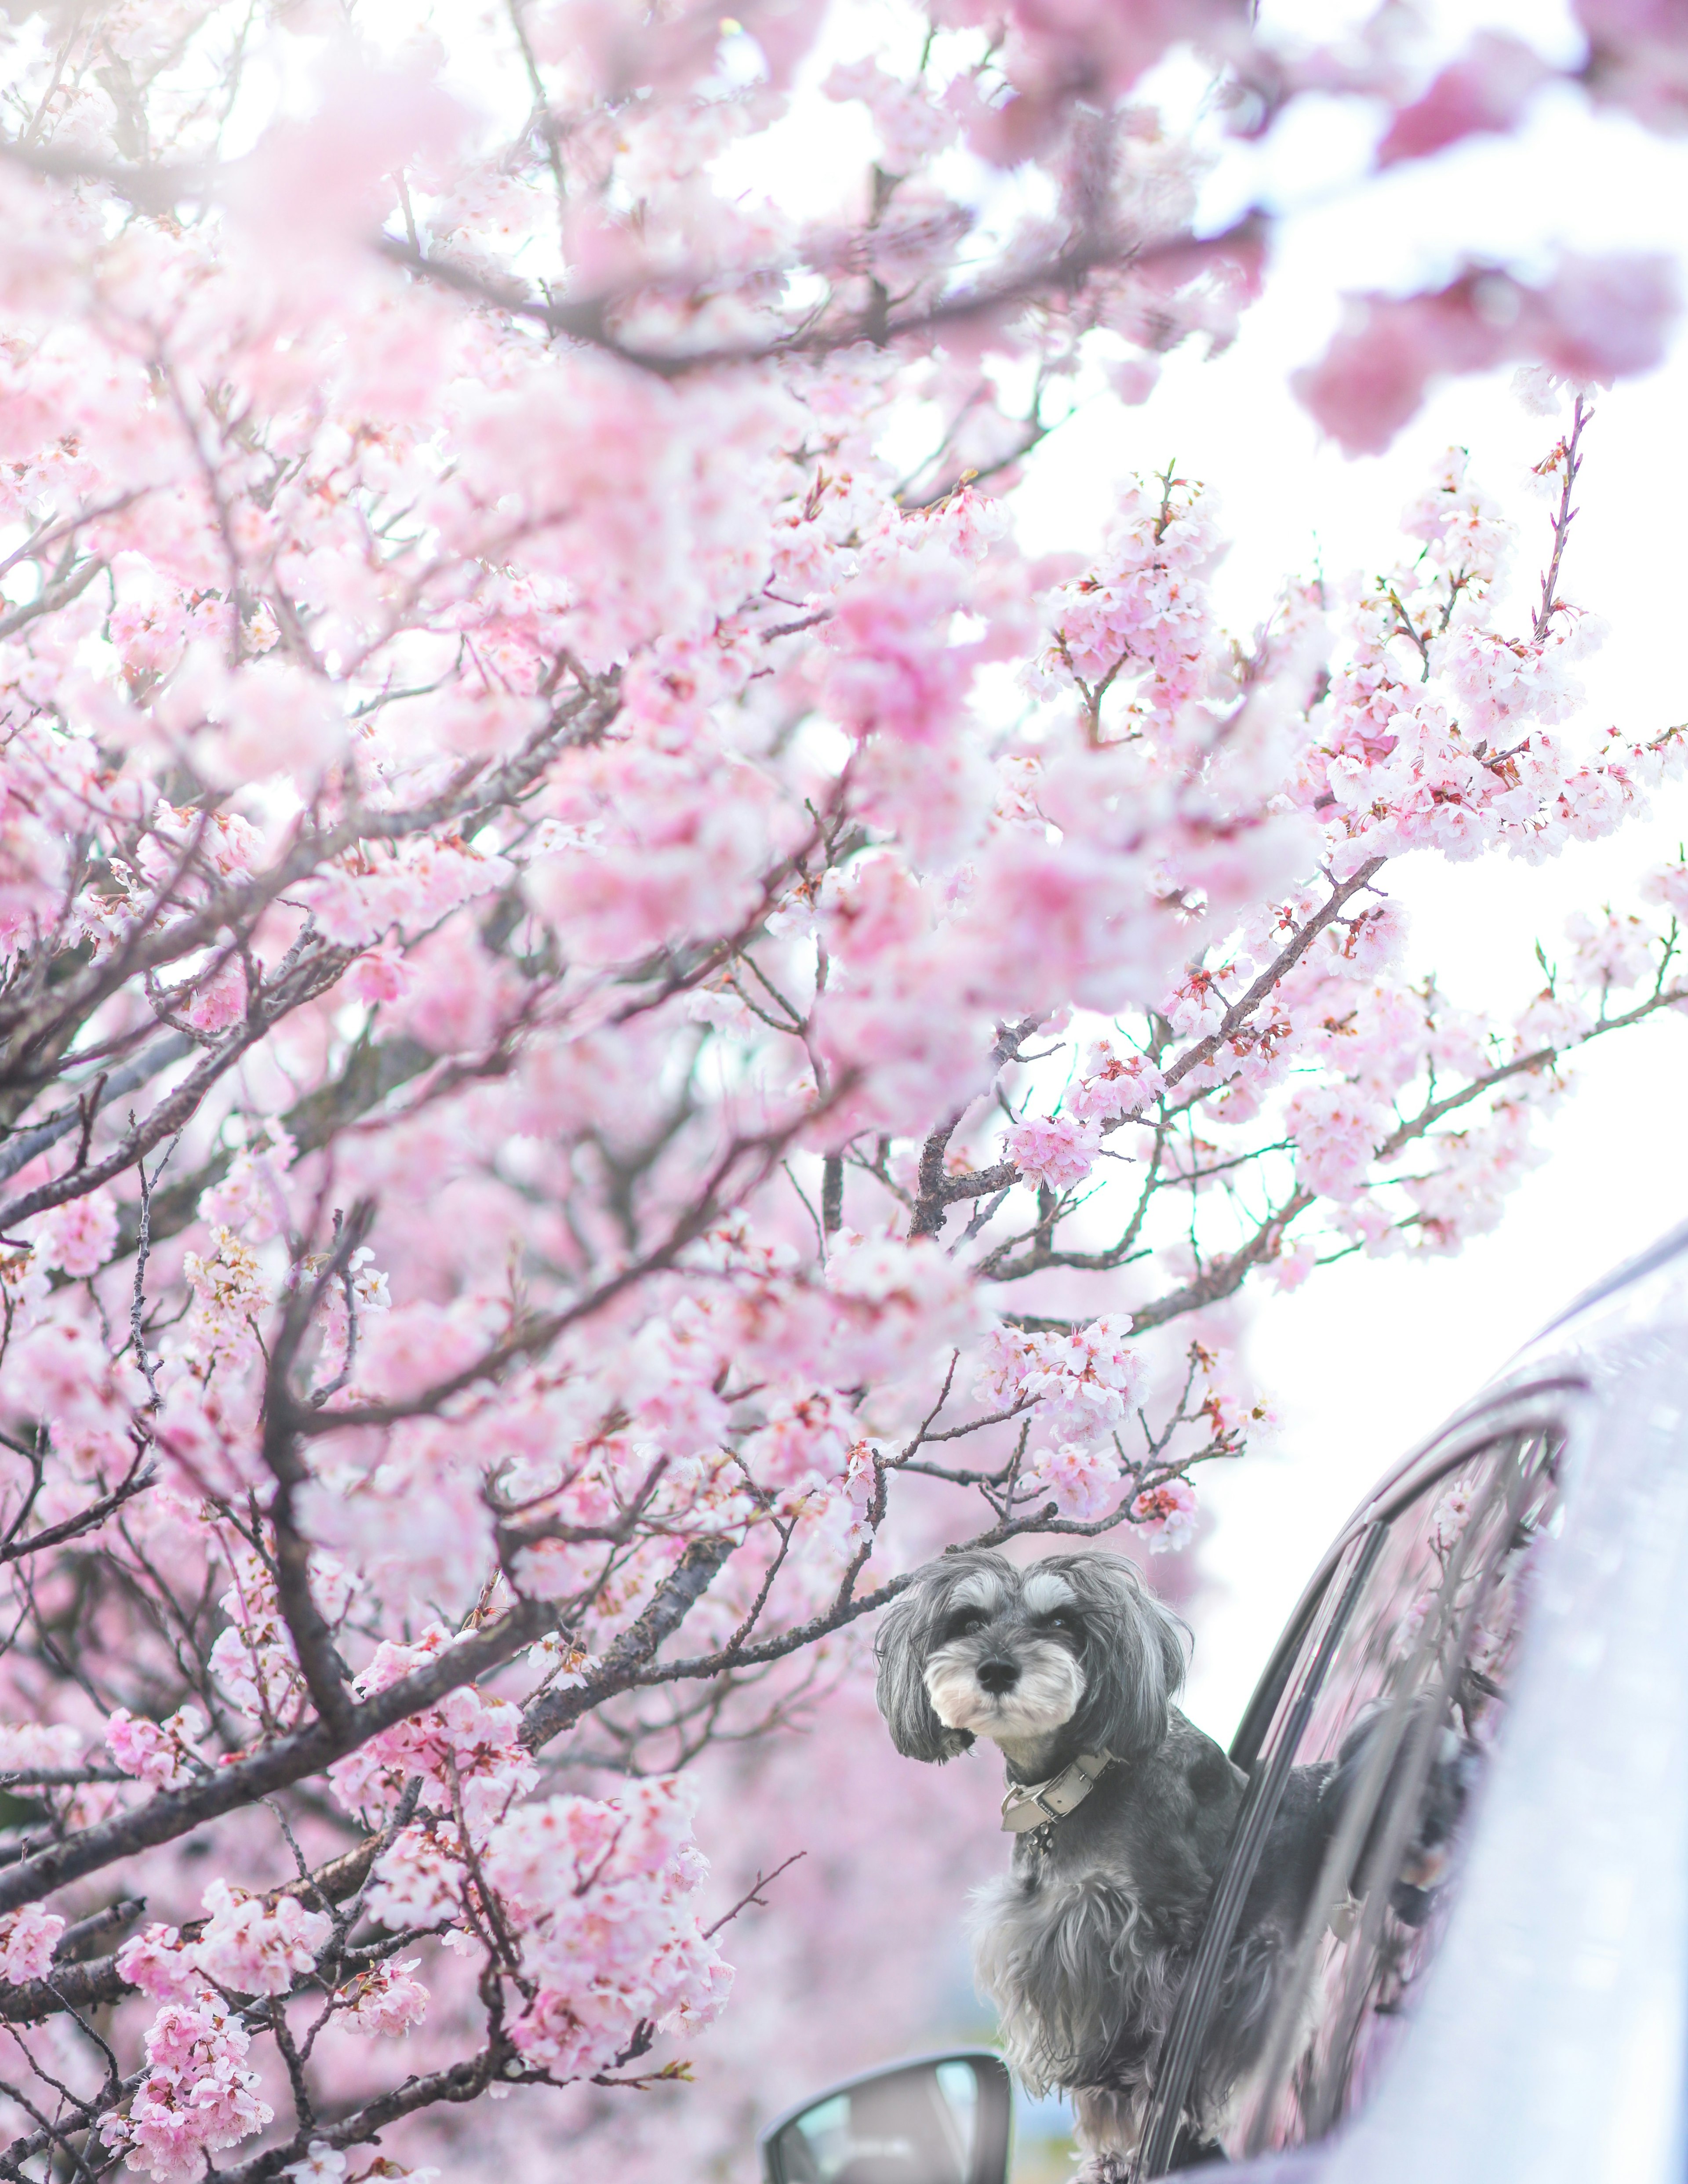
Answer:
(1083, 1383)
(245, 1946)
(162, 1753)
(199, 2093)
(593, 1903)
(467, 1750)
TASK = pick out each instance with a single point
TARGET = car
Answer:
(1490, 1981)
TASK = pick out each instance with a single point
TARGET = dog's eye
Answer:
(964, 1623)
(1065, 1619)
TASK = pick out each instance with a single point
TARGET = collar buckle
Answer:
(1039, 1804)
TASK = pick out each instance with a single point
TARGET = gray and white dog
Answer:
(1070, 1666)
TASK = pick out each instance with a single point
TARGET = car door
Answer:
(1366, 1748)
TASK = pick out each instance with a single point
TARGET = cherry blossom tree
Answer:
(619, 1020)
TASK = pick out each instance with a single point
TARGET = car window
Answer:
(1342, 1869)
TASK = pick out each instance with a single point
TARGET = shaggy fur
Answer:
(1083, 1944)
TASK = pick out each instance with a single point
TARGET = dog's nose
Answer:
(998, 1676)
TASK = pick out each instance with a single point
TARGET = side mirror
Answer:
(936, 2120)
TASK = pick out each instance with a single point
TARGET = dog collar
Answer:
(1031, 1804)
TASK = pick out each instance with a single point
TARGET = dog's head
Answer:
(976, 1647)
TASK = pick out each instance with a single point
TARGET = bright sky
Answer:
(1369, 1358)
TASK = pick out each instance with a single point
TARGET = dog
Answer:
(1123, 1812)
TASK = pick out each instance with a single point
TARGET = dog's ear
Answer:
(1133, 1655)
(901, 1649)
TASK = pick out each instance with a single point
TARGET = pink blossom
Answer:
(1551, 1020)
(148, 626)
(251, 1199)
(910, 128)
(671, 856)
(418, 1879)
(421, 882)
(604, 1895)
(1636, 59)
(1113, 1086)
(198, 2095)
(257, 1950)
(1293, 1264)
(1144, 609)
(894, 670)
(28, 1938)
(385, 2001)
(309, 180)
(468, 1747)
(806, 1437)
(1135, 378)
(60, 1370)
(1336, 1128)
(379, 975)
(1596, 319)
(1081, 1482)
(897, 1303)
(1234, 1414)
(216, 1003)
(207, 1429)
(1667, 884)
(1056, 1150)
(161, 1753)
(78, 1236)
(253, 1658)
(874, 905)
(1487, 89)
(1618, 950)
(1167, 1514)
(1082, 1383)
(1464, 1191)
(1448, 1518)
(230, 1294)
(455, 997)
(26, 1746)
(1461, 525)
(419, 1344)
(156, 1961)
(321, 2163)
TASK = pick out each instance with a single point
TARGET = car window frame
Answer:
(1551, 1406)
(1488, 1418)
(1406, 1741)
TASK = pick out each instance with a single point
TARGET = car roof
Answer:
(1672, 1245)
